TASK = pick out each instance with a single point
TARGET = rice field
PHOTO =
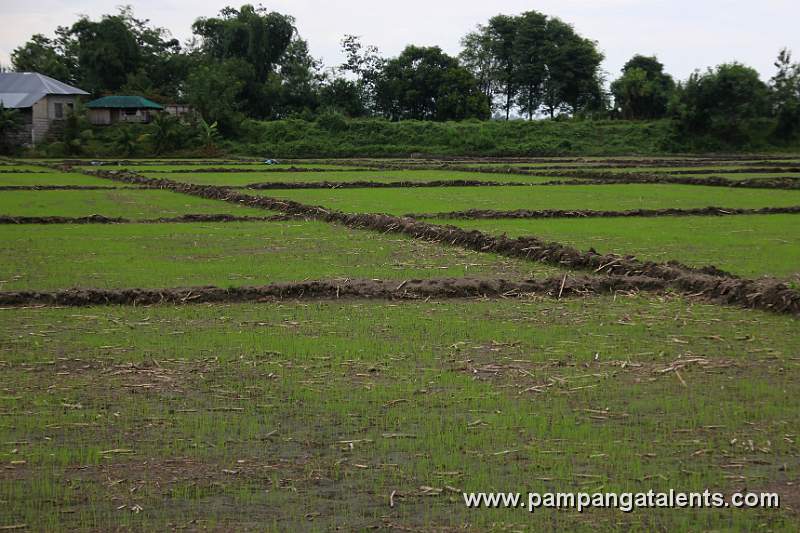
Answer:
(331, 402)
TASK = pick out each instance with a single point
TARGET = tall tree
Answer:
(424, 83)
(42, 55)
(573, 79)
(785, 86)
(300, 79)
(501, 34)
(477, 57)
(644, 89)
(365, 64)
(530, 57)
(255, 36)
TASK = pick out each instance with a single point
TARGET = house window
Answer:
(131, 112)
(70, 108)
(58, 107)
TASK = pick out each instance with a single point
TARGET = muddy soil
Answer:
(63, 188)
(588, 213)
(332, 289)
(381, 184)
(100, 219)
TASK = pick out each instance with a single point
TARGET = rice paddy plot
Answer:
(598, 197)
(48, 257)
(351, 414)
(121, 202)
(747, 245)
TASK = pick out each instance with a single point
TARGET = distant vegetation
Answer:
(249, 75)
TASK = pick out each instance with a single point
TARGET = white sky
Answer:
(685, 35)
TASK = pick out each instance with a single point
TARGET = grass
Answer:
(229, 254)
(608, 197)
(747, 245)
(307, 417)
(53, 178)
(382, 176)
(122, 202)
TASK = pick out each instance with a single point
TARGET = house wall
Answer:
(102, 117)
(45, 113)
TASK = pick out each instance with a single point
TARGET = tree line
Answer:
(252, 62)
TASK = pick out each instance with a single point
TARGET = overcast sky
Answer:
(684, 34)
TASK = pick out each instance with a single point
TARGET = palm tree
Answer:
(127, 141)
(164, 135)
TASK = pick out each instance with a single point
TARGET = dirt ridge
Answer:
(379, 184)
(66, 188)
(589, 177)
(100, 219)
(589, 213)
(556, 287)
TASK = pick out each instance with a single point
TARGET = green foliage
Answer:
(724, 103)
(166, 133)
(208, 135)
(254, 35)
(425, 83)
(380, 137)
(213, 90)
(10, 122)
(127, 141)
(644, 90)
(77, 133)
(300, 78)
(344, 96)
(535, 62)
(42, 55)
(786, 96)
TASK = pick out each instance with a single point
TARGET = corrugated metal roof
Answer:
(23, 89)
(123, 102)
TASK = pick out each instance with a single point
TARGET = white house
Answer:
(41, 100)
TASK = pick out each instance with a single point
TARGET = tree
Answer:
(424, 83)
(343, 96)
(126, 140)
(501, 35)
(644, 90)
(213, 90)
(42, 55)
(165, 134)
(300, 78)
(477, 57)
(531, 49)
(721, 101)
(255, 37)
(366, 65)
(572, 82)
(785, 87)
